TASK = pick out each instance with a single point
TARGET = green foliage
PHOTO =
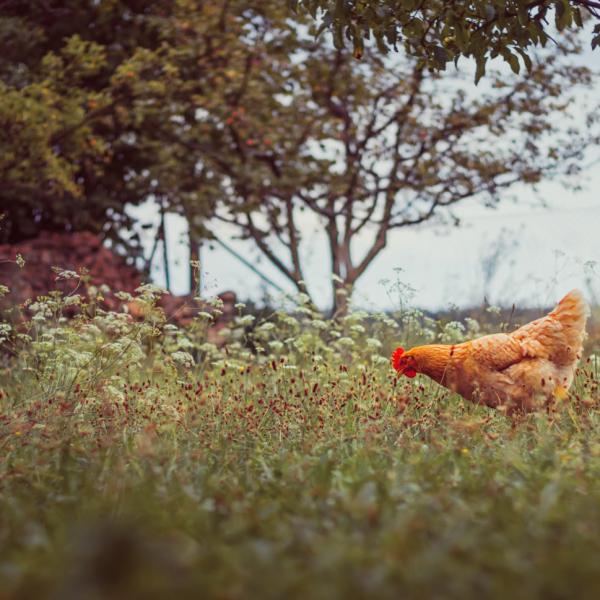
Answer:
(140, 459)
(74, 108)
(440, 32)
(107, 104)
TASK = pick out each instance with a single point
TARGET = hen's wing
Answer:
(497, 351)
(558, 336)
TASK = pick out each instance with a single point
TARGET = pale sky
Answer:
(549, 250)
(546, 254)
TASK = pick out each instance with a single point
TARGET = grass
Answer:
(140, 462)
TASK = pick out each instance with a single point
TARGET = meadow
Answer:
(141, 461)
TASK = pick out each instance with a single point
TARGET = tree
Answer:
(378, 146)
(439, 32)
(87, 90)
(95, 102)
(228, 110)
(65, 101)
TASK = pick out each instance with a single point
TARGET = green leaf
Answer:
(563, 14)
(461, 36)
(525, 57)
(511, 59)
(523, 15)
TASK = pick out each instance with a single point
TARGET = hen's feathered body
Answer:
(519, 370)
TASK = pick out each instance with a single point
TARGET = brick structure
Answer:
(79, 252)
(84, 251)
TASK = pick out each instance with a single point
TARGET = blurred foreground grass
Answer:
(138, 462)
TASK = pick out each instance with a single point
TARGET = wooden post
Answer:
(163, 237)
(195, 268)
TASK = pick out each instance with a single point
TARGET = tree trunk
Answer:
(341, 299)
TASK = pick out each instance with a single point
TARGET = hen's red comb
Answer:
(398, 352)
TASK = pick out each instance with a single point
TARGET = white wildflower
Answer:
(245, 320)
(303, 298)
(5, 330)
(64, 274)
(275, 346)
(149, 291)
(184, 343)
(73, 300)
(216, 302)
(79, 358)
(453, 332)
(185, 359)
(356, 317)
(357, 329)
(288, 320)
(473, 327)
(208, 348)
(377, 359)
(373, 344)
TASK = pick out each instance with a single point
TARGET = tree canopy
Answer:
(440, 32)
(87, 91)
(372, 147)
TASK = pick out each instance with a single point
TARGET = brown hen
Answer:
(522, 370)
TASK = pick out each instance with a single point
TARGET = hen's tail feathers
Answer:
(572, 312)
